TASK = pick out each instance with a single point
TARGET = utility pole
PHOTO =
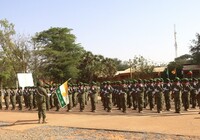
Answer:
(175, 43)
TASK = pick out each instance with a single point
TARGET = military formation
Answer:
(154, 94)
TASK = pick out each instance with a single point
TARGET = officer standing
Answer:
(41, 100)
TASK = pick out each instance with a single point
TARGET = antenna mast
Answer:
(175, 44)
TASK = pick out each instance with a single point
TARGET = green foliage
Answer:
(93, 67)
(58, 54)
(121, 65)
(14, 53)
(195, 49)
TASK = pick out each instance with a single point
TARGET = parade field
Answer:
(100, 125)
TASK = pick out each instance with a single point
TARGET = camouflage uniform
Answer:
(108, 97)
(193, 93)
(150, 93)
(123, 97)
(93, 96)
(81, 97)
(30, 98)
(13, 98)
(159, 96)
(186, 94)
(6, 98)
(20, 98)
(167, 94)
(70, 92)
(176, 91)
(134, 95)
(140, 96)
(41, 101)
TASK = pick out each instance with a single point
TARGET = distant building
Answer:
(130, 73)
(191, 70)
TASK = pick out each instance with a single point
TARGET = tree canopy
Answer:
(58, 54)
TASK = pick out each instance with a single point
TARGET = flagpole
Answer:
(69, 79)
(167, 73)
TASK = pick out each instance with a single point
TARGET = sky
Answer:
(119, 29)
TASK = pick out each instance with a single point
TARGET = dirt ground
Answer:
(116, 125)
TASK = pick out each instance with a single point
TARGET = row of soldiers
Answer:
(138, 94)
(77, 94)
(135, 94)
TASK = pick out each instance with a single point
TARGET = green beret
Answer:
(39, 83)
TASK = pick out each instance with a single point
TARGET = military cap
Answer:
(93, 83)
(195, 79)
(139, 80)
(167, 80)
(176, 79)
(39, 83)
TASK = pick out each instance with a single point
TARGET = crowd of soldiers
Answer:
(77, 93)
(156, 94)
(138, 94)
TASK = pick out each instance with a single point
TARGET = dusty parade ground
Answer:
(100, 125)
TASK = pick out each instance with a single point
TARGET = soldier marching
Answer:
(180, 94)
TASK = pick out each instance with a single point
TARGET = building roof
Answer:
(126, 71)
(159, 69)
(191, 67)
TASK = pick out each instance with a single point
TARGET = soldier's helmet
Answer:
(93, 83)
(139, 80)
(176, 79)
(195, 79)
(167, 80)
(39, 83)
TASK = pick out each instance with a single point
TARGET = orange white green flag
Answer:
(62, 94)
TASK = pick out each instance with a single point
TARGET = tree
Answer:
(14, 54)
(195, 49)
(121, 65)
(92, 67)
(58, 54)
(141, 66)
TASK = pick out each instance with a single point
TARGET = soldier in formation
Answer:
(134, 94)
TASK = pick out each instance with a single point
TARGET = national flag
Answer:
(62, 94)
(173, 71)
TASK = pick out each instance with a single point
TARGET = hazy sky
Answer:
(113, 28)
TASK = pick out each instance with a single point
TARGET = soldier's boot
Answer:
(39, 121)
(44, 121)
